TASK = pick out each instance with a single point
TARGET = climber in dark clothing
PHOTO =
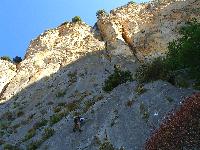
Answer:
(77, 123)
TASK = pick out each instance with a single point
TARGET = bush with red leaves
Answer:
(180, 130)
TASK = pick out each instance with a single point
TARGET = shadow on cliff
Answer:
(39, 99)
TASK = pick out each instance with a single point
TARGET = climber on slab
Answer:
(77, 123)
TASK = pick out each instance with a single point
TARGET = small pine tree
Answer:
(100, 12)
(132, 2)
(76, 19)
(17, 59)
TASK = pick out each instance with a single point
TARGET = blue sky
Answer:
(23, 20)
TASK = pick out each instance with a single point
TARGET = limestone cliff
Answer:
(147, 28)
(64, 70)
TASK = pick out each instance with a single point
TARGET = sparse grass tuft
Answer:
(106, 145)
(72, 77)
(20, 113)
(10, 147)
(31, 133)
(2, 133)
(34, 145)
(8, 116)
(140, 89)
(55, 118)
(169, 99)
(60, 94)
(72, 106)
(144, 112)
(129, 103)
(41, 123)
(50, 103)
(61, 104)
(87, 105)
(48, 132)
(4, 124)
(57, 109)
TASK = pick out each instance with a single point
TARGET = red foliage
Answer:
(181, 129)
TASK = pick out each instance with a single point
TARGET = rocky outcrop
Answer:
(8, 71)
(146, 28)
(51, 51)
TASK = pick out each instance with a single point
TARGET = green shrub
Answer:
(184, 52)
(196, 85)
(182, 82)
(76, 19)
(152, 71)
(117, 78)
(7, 58)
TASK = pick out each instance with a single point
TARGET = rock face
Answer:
(125, 125)
(8, 71)
(147, 28)
(65, 68)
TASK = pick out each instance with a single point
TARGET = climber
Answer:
(77, 123)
